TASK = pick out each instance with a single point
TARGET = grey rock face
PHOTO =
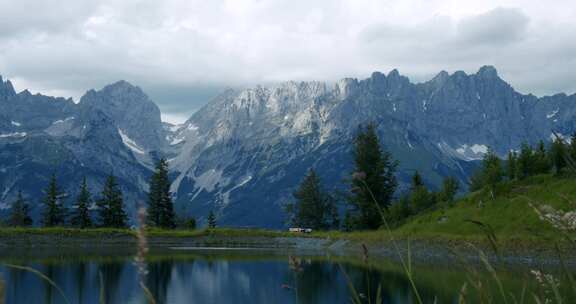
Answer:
(116, 130)
(132, 111)
(6, 89)
(243, 154)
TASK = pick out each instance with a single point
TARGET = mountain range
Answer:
(244, 153)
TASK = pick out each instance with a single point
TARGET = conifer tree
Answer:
(572, 151)
(81, 214)
(53, 207)
(160, 205)
(449, 189)
(492, 171)
(313, 208)
(211, 220)
(111, 205)
(511, 165)
(20, 215)
(417, 180)
(541, 162)
(558, 155)
(524, 163)
(399, 211)
(374, 182)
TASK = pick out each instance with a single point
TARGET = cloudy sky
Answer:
(184, 52)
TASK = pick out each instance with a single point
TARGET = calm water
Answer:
(192, 276)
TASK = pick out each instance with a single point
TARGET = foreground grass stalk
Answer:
(40, 275)
(407, 267)
(141, 255)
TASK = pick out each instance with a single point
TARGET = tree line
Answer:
(371, 200)
(555, 158)
(109, 207)
(371, 194)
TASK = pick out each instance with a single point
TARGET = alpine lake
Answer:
(243, 275)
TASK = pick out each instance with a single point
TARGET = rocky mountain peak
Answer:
(6, 89)
(129, 107)
(487, 72)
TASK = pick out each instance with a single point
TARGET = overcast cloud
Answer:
(184, 52)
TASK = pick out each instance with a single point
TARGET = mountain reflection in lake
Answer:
(219, 277)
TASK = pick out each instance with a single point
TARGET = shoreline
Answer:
(422, 250)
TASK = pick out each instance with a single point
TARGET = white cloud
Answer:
(68, 46)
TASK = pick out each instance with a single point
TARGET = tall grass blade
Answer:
(492, 271)
(40, 275)
(355, 297)
(396, 247)
(102, 289)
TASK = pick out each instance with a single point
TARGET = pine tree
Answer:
(558, 155)
(449, 189)
(492, 171)
(81, 216)
(374, 182)
(541, 162)
(421, 199)
(571, 161)
(417, 180)
(53, 207)
(399, 211)
(211, 220)
(524, 163)
(313, 207)
(20, 216)
(160, 205)
(511, 165)
(349, 221)
(111, 205)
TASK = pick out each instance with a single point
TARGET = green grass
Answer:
(154, 232)
(509, 215)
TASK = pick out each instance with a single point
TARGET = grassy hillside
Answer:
(509, 214)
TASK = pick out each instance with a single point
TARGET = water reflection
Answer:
(208, 277)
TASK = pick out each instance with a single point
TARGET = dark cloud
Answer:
(182, 52)
(500, 26)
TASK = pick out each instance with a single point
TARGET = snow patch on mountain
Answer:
(14, 134)
(62, 120)
(552, 114)
(226, 195)
(565, 138)
(472, 152)
(132, 145)
(208, 180)
(176, 141)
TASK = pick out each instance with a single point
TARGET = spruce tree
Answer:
(511, 165)
(81, 213)
(541, 162)
(111, 205)
(417, 180)
(20, 215)
(211, 220)
(374, 182)
(312, 208)
(571, 155)
(492, 171)
(53, 207)
(558, 155)
(160, 205)
(524, 163)
(449, 189)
